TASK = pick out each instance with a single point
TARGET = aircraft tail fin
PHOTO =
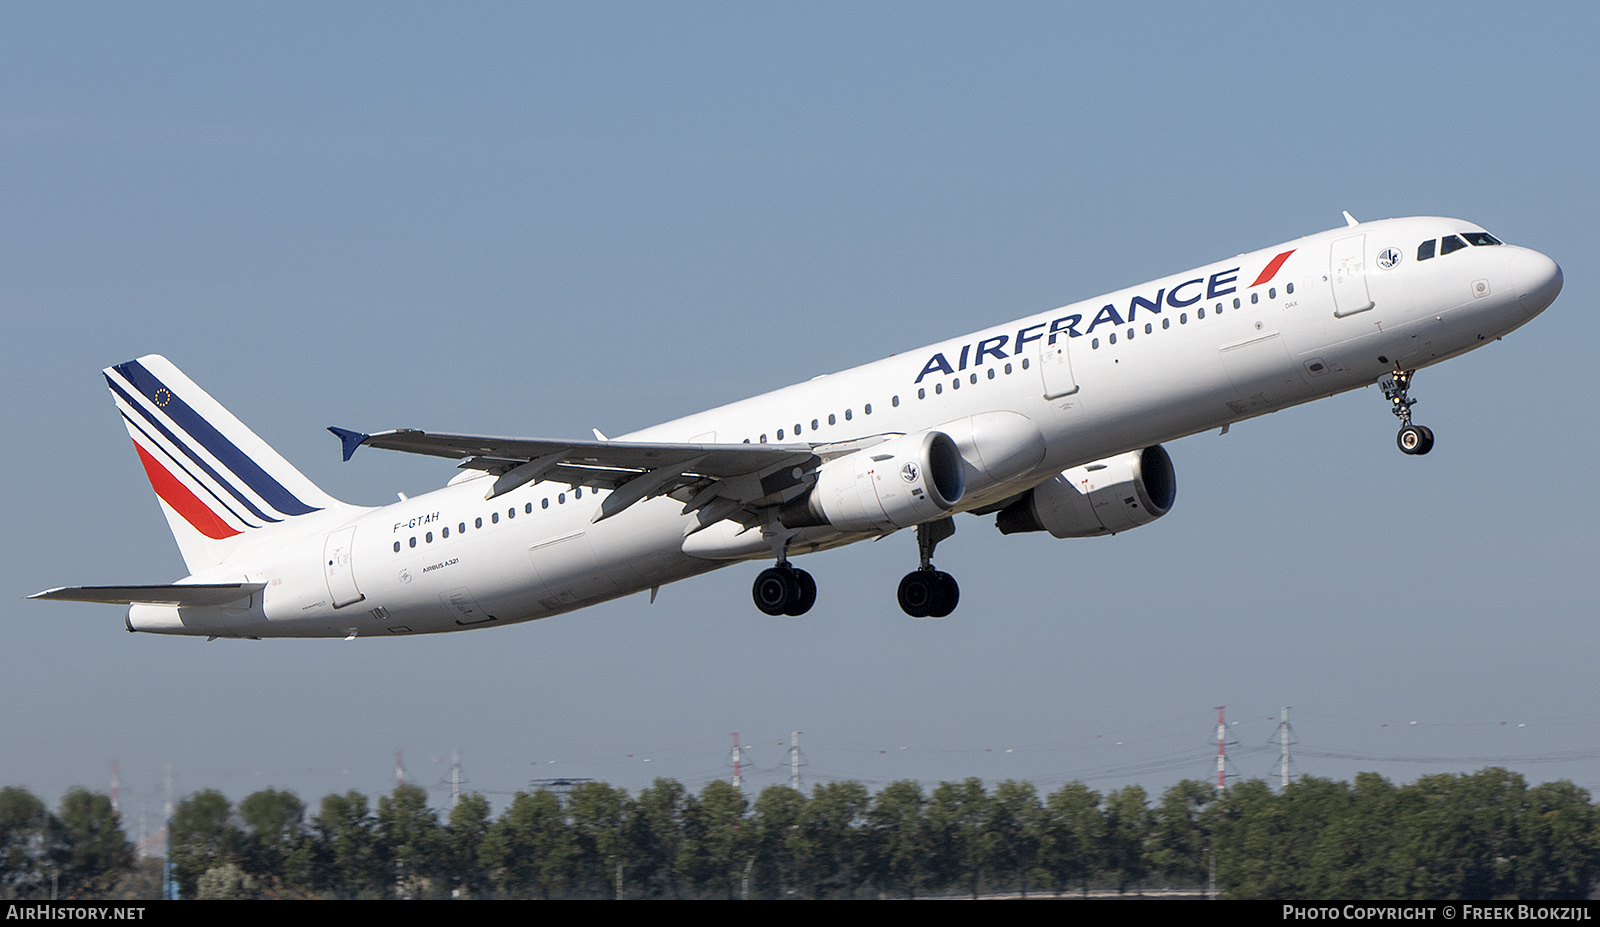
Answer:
(219, 484)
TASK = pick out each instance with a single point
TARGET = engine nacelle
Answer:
(897, 484)
(1104, 497)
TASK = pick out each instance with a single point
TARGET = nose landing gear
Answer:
(1412, 439)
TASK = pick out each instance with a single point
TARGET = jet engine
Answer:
(1104, 497)
(896, 484)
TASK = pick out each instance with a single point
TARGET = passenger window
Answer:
(477, 523)
(1288, 289)
(1425, 250)
(1450, 243)
(444, 532)
(494, 518)
(397, 547)
(1148, 329)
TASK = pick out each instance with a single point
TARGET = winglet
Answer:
(350, 439)
(1349, 219)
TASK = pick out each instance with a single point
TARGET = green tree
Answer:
(655, 837)
(462, 870)
(202, 836)
(1252, 844)
(411, 841)
(95, 850)
(896, 850)
(775, 827)
(274, 829)
(226, 882)
(530, 848)
(348, 860)
(599, 818)
(958, 820)
(1128, 827)
(1180, 843)
(29, 838)
(1560, 843)
(711, 857)
(828, 844)
(1016, 825)
(1073, 836)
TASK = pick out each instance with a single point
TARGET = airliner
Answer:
(1053, 422)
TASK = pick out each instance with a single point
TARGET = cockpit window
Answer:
(1451, 243)
(1425, 250)
(1480, 238)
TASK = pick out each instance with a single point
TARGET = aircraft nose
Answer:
(1537, 278)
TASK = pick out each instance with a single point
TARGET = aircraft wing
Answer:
(743, 473)
(196, 594)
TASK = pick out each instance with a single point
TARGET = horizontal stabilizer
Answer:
(196, 594)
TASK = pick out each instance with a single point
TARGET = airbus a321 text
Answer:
(1053, 422)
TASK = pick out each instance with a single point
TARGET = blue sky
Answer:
(535, 219)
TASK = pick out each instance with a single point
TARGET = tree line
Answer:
(1482, 835)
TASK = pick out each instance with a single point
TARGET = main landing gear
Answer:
(926, 592)
(1412, 439)
(784, 590)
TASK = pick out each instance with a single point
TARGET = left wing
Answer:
(713, 479)
(180, 595)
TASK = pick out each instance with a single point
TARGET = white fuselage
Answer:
(1023, 400)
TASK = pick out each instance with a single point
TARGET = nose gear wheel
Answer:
(1412, 439)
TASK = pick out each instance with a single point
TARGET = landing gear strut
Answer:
(1412, 439)
(926, 592)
